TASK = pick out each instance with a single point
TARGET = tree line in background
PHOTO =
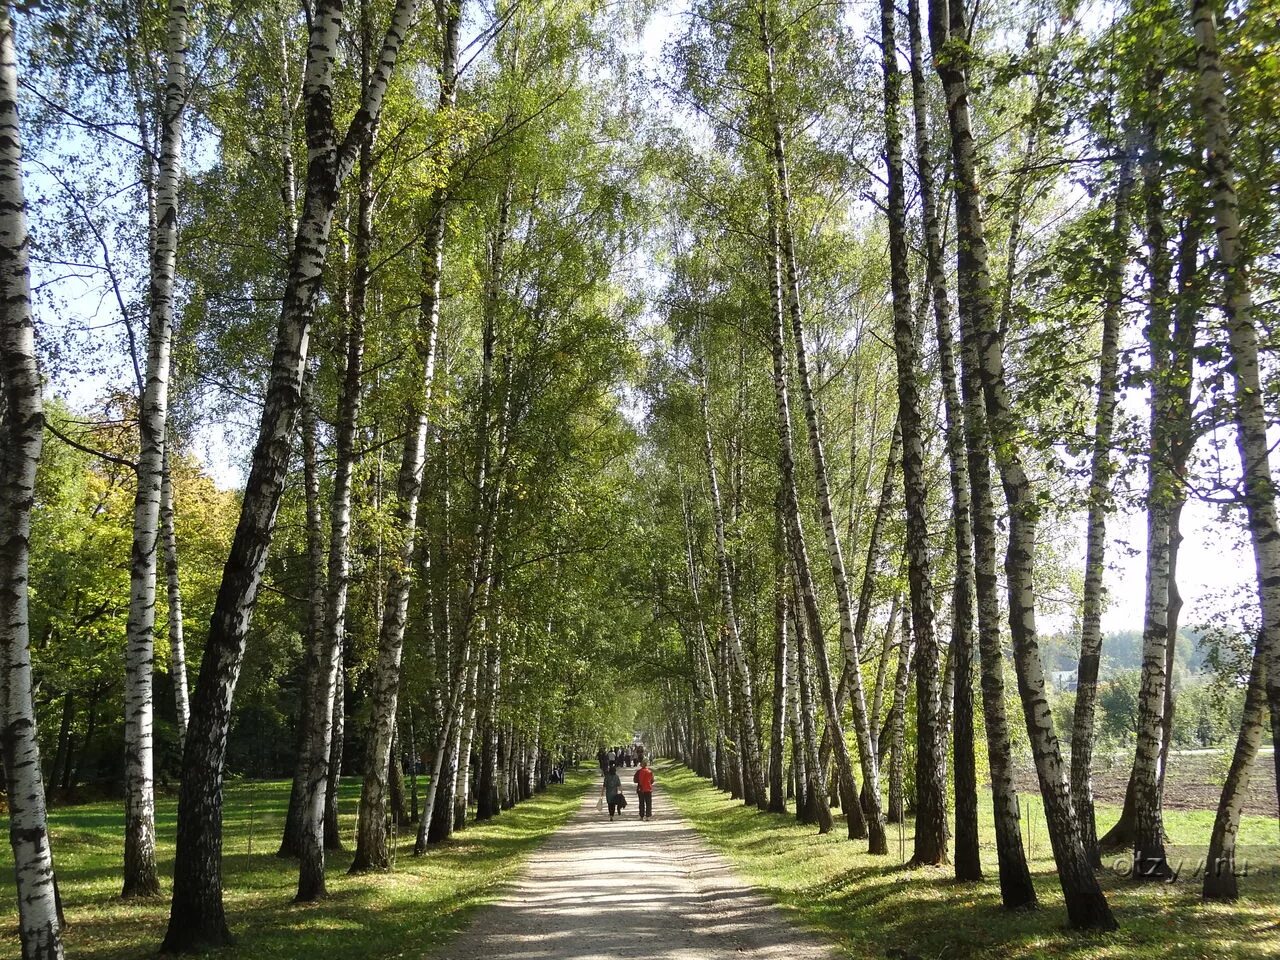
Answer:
(774, 386)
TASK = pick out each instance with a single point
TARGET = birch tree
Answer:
(140, 878)
(22, 430)
(197, 917)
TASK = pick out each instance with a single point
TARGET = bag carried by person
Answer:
(622, 801)
(600, 804)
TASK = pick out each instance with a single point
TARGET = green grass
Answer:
(875, 907)
(407, 912)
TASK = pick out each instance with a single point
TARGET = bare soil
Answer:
(1193, 782)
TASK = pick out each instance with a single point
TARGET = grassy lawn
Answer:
(407, 912)
(875, 908)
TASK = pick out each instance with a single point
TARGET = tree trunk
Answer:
(1237, 305)
(815, 792)
(1016, 889)
(968, 862)
(140, 877)
(21, 436)
(1148, 841)
(1220, 877)
(983, 358)
(177, 643)
(897, 723)
(332, 831)
(752, 769)
(197, 917)
(781, 194)
(778, 727)
(1101, 472)
(310, 708)
(931, 785)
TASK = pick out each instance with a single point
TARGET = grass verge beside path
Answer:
(873, 907)
(405, 913)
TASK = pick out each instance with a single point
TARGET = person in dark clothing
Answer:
(602, 758)
(611, 790)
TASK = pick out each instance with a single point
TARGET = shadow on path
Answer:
(605, 889)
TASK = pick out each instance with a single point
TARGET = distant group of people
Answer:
(611, 785)
(630, 755)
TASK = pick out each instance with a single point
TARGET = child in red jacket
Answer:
(644, 789)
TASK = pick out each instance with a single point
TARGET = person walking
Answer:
(611, 790)
(644, 790)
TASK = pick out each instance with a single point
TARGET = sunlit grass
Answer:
(407, 912)
(874, 907)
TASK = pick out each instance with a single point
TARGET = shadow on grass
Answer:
(408, 911)
(876, 907)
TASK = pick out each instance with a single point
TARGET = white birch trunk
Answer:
(1100, 476)
(197, 916)
(737, 657)
(177, 642)
(877, 842)
(21, 436)
(1250, 412)
(140, 877)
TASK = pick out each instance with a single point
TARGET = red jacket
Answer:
(644, 780)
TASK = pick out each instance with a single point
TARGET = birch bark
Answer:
(1250, 413)
(197, 916)
(140, 877)
(983, 358)
(21, 433)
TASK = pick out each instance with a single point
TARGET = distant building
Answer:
(1064, 680)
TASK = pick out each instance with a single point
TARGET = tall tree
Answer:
(1101, 470)
(931, 787)
(1237, 305)
(982, 358)
(877, 841)
(140, 878)
(197, 917)
(22, 432)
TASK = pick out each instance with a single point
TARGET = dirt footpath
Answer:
(601, 890)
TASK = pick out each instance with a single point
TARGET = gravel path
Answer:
(653, 889)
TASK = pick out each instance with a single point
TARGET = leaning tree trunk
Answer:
(806, 592)
(140, 877)
(1250, 410)
(21, 435)
(197, 917)
(1086, 904)
(877, 842)
(931, 785)
(177, 642)
(1101, 472)
(1220, 878)
(753, 771)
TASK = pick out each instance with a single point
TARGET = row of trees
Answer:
(1068, 237)
(390, 238)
